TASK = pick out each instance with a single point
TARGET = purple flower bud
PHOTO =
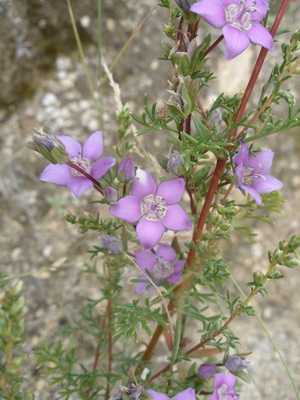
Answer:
(207, 370)
(175, 160)
(184, 4)
(45, 137)
(235, 363)
(111, 194)
(111, 243)
(127, 167)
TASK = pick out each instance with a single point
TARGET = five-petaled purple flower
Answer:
(86, 157)
(162, 265)
(240, 20)
(224, 387)
(187, 394)
(153, 208)
(252, 171)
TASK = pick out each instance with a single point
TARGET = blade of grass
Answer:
(261, 323)
(100, 68)
(124, 48)
(83, 60)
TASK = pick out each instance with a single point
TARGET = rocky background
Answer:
(42, 79)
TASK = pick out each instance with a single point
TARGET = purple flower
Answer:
(235, 363)
(86, 157)
(252, 171)
(153, 208)
(224, 387)
(163, 266)
(126, 168)
(187, 394)
(207, 370)
(240, 20)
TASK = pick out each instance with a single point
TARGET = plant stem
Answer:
(215, 44)
(97, 185)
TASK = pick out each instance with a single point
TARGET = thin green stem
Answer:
(124, 48)
(261, 323)
(83, 60)
(100, 68)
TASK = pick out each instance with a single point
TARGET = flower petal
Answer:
(266, 184)
(93, 146)
(177, 267)
(175, 277)
(242, 156)
(102, 166)
(236, 41)
(230, 380)
(219, 379)
(149, 233)
(141, 287)
(144, 186)
(73, 147)
(258, 34)
(145, 260)
(254, 193)
(240, 174)
(262, 6)
(187, 394)
(79, 185)
(212, 11)
(171, 190)
(166, 252)
(176, 219)
(158, 396)
(57, 174)
(261, 162)
(128, 208)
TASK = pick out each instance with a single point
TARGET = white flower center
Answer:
(163, 269)
(238, 15)
(82, 163)
(154, 207)
(225, 394)
(249, 175)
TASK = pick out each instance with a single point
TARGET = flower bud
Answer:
(184, 4)
(259, 277)
(126, 171)
(207, 370)
(47, 144)
(16, 309)
(174, 161)
(111, 243)
(111, 194)
(17, 290)
(235, 363)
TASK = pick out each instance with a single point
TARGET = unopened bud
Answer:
(47, 144)
(259, 277)
(111, 194)
(111, 243)
(235, 363)
(207, 370)
(174, 161)
(16, 309)
(17, 290)
(126, 171)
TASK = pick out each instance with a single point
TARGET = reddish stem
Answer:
(96, 184)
